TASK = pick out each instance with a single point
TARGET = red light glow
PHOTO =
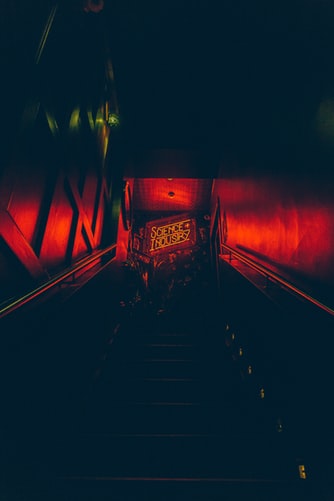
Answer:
(154, 195)
(278, 220)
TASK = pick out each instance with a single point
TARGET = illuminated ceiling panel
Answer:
(169, 195)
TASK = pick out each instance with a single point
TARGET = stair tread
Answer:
(182, 489)
(229, 455)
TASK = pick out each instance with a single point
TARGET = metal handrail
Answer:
(61, 277)
(46, 33)
(276, 278)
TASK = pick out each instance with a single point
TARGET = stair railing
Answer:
(60, 279)
(274, 277)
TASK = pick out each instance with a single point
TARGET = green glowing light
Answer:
(75, 119)
(113, 120)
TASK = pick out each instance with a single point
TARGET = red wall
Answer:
(49, 222)
(286, 220)
(58, 189)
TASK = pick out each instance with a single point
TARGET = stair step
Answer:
(171, 367)
(252, 456)
(148, 351)
(158, 389)
(168, 390)
(175, 419)
(179, 489)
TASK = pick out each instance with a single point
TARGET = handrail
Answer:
(276, 278)
(54, 281)
(46, 33)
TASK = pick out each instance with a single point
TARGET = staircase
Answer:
(168, 417)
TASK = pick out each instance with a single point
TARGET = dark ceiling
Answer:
(246, 78)
(251, 81)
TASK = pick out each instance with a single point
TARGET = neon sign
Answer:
(169, 234)
(165, 234)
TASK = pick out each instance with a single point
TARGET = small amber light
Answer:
(171, 194)
(262, 393)
(302, 472)
(250, 370)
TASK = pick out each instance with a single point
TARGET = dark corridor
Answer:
(119, 394)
